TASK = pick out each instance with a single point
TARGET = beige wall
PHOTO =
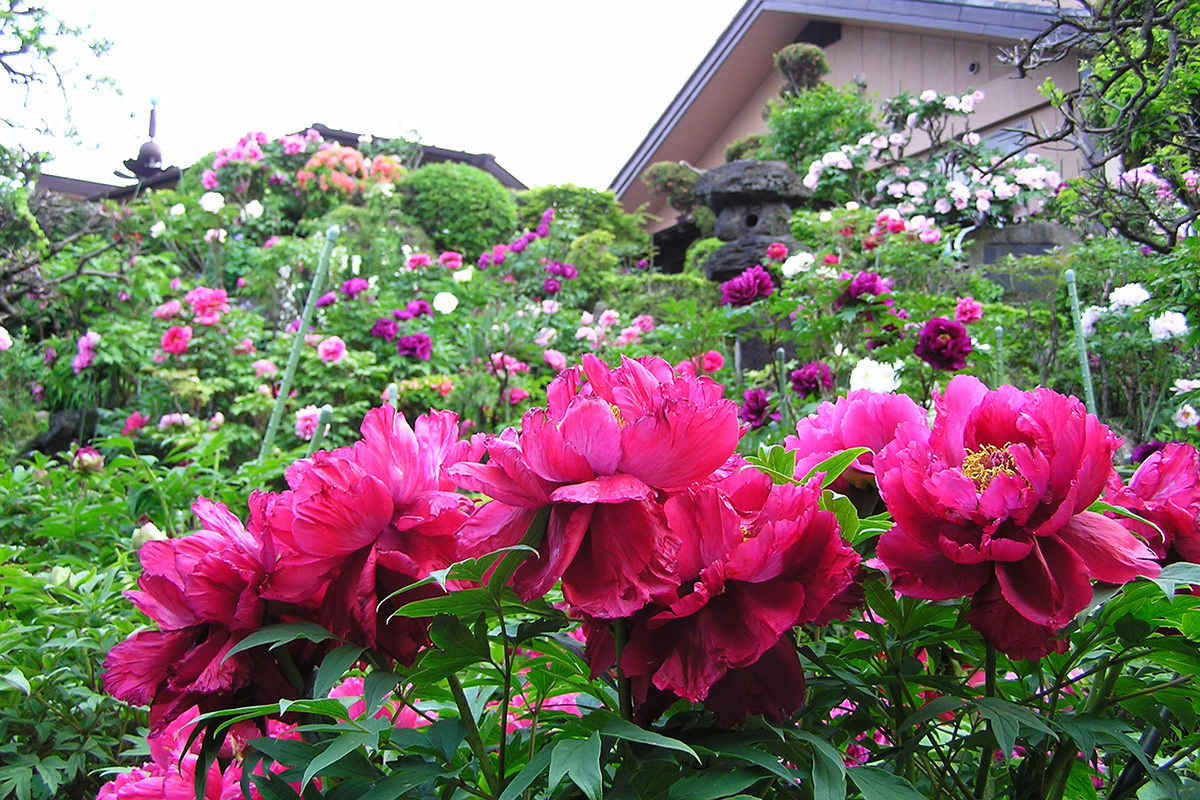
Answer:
(892, 61)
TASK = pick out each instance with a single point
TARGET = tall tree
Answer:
(1135, 117)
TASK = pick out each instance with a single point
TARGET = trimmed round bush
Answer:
(461, 207)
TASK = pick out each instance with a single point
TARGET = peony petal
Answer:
(1112, 554)
(1048, 587)
(604, 489)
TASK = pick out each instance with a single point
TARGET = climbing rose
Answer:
(991, 504)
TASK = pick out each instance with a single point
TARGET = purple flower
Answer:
(402, 313)
(354, 287)
(811, 378)
(943, 344)
(418, 345)
(562, 270)
(551, 285)
(864, 284)
(327, 299)
(485, 260)
(417, 308)
(385, 329)
(747, 287)
(1145, 450)
(756, 410)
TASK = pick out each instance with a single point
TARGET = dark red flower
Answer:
(991, 503)
(943, 344)
(744, 289)
(812, 378)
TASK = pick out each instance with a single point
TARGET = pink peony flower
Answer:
(134, 423)
(556, 360)
(598, 458)
(175, 340)
(169, 309)
(991, 504)
(712, 361)
(208, 304)
(418, 260)
(245, 347)
(209, 180)
(331, 349)
(777, 251)
(1165, 490)
(86, 351)
(306, 421)
(263, 367)
(517, 395)
(968, 310)
(451, 260)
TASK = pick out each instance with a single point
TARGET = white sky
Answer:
(560, 91)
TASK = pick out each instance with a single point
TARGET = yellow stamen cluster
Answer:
(984, 464)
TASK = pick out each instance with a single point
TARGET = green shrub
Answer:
(461, 207)
(698, 252)
(803, 65)
(579, 209)
(805, 126)
(746, 147)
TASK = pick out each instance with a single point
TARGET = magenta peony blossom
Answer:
(991, 504)
(354, 287)
(208, 304)
(175, 340)
(943, 344)
(551, 286)
(451, 260)
(777, 251)
(417, 345)
(755, 560)
(169, 309)
(331, 349)
(712, 361)
(1166, 491)
(134, 423)
(968, 310)
(756, 408)
(327, 299)
(812, 378)
(744, 289)
(599, 455)
(385, 329)
(85, 354)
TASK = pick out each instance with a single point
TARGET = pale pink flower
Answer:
(263, 367)
(306, 422)
(168, 309)
(556, 360)
(332, 349)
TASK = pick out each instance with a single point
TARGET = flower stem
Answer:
(1085, 370)
(985, 755)
(624, 692)
(323, 420)
(285, 386)
(473, 738)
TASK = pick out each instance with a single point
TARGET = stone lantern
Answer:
(753, 202)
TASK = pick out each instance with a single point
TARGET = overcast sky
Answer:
(560, 91)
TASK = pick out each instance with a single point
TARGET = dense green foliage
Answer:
(461, 208)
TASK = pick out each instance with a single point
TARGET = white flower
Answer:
(252, 210)
(852, 206)
(825, 216)
(796, 264)
(928, 96)
(874, 376)
(1089, 318)
(1131, 295)
(1184, 385)
(444, 302)
(1186, 416)
(463, 275)
(1168, 325)
(158, 229)
(177, 210)
(212, 202)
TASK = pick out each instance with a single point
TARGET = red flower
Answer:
(1165, 490)
(599, 454)
(943, 344)
(991, 504)
(755, 560)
